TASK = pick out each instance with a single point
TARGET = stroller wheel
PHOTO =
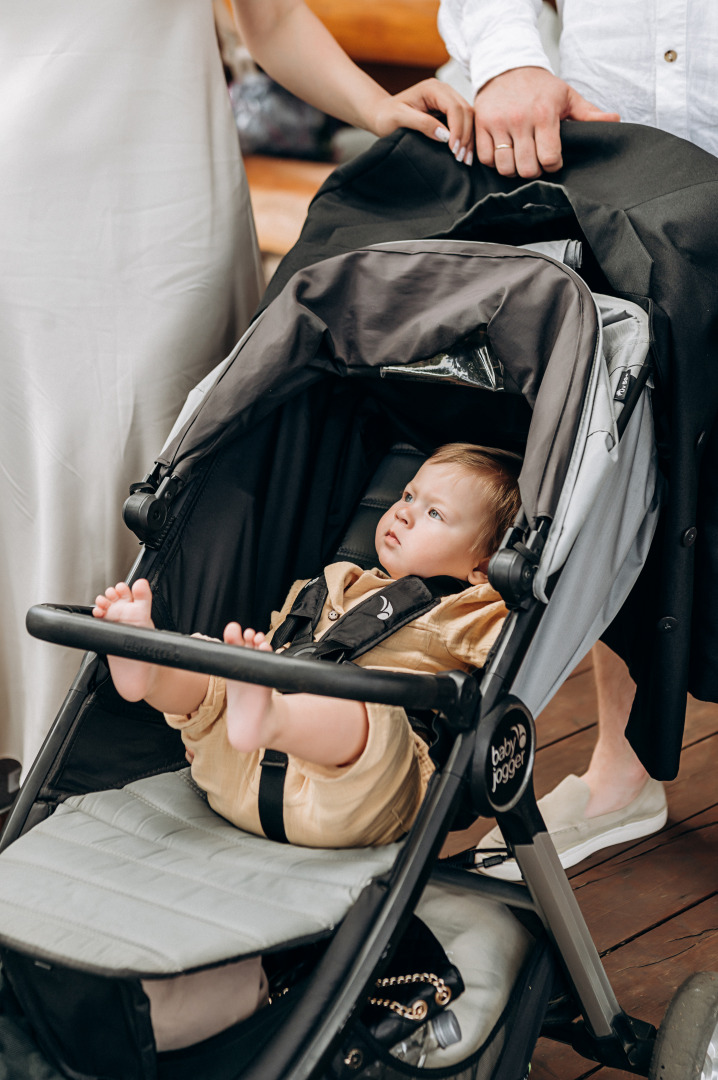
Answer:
(687, 1043)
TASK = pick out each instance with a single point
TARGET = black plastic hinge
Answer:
(147, 511)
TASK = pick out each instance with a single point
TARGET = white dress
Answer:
(129, 268)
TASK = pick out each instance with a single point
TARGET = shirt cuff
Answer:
(493, 36)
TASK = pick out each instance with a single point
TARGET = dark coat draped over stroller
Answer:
(646, 206)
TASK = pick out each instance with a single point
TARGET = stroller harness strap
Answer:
(353, 634)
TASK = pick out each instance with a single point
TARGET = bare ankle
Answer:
(251, 717)
(613, 789)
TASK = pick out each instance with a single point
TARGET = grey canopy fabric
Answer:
(401, 302)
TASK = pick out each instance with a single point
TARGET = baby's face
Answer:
(433, 527)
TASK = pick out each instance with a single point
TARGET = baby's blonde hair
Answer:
(499, 470)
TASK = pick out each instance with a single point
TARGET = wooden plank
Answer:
(644, 973)
(573, 709)
(647, 972)
(651, 907)
(552, 1061)
(650, 882)
(281, 190)
(400, 32)
(701, 721)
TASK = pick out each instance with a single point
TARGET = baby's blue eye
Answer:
(435, 514)
(408, 497)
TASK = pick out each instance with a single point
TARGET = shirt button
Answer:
(670, 55)
(333, 615)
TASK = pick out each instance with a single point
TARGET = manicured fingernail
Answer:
(455, 148)
(442, 133)
(469, 158)
(461, 154)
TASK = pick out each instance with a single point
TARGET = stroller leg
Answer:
(556, 903)
(501, 784)
(609, 1035)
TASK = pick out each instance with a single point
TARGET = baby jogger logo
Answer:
(386, 609)
(503, 757)
(507, 758)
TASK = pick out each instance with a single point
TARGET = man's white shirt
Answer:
(653, 61)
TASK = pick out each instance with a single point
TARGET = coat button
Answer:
(333, 615)
(670, 55)
(666, 624)
(689, 536)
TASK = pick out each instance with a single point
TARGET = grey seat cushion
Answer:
(148, 880)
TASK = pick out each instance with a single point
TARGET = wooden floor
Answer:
(651, 906)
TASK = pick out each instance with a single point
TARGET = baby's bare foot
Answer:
(123, 604)
(131, 607)
(249, 706)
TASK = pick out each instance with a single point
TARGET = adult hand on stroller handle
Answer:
(75, 627)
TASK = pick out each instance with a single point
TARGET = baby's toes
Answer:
(233, 634)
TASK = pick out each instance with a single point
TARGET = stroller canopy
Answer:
(404, 302)
(380, 311)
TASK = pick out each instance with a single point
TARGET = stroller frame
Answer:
(607, 1035)
(474, 712)
(343, 976)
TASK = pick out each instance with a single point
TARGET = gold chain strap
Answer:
(419, 1009)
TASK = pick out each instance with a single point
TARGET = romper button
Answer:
(667, 624)
(689, 536)
(333, 615)
(670, 56)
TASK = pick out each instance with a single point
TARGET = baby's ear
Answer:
(478, 576)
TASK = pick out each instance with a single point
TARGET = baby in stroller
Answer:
(443, 529)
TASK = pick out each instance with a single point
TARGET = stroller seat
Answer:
(148, 880)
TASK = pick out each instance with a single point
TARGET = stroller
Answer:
(359, 368)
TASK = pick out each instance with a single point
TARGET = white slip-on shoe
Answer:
(576, 836)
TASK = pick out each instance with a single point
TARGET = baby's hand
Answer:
(122, 604)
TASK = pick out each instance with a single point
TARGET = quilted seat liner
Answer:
(148, 880)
